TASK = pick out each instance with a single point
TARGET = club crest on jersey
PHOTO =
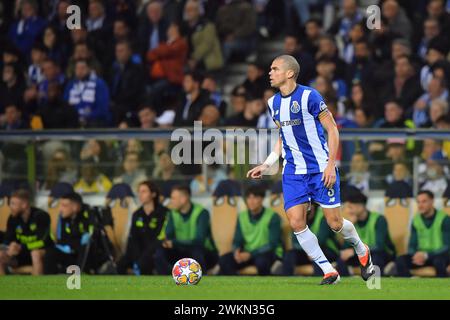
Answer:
(295, 107)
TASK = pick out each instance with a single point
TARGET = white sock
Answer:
(308, 241)
(349, 233)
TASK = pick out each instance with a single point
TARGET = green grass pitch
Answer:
(226, 288)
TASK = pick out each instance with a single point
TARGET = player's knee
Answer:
(297, 224)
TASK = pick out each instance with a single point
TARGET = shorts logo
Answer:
(295, 107)
(330, 192)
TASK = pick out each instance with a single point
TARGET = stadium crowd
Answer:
(163, 64)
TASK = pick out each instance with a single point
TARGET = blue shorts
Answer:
(302, 188)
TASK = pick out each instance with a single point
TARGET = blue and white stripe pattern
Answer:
(305, 149)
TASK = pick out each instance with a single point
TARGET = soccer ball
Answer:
(186, 272)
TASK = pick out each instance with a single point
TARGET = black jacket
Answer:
(195, 109)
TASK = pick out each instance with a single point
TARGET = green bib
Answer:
(368, 233)
(187, 229)
(430, 239)
(256, 235)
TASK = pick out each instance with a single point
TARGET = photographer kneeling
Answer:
(78, 237)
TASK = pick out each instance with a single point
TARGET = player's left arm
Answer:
(327, 121)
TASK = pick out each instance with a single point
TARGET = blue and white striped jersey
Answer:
(304, 148)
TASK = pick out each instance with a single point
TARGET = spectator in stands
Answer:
(52, 75)
(83, 51)
(209, 83)
(38, 55)
(326, 68)
(265, 119)
(26, 30)
(236, 25)
(12, 86)
(436, 10)
(210, 116)
(361, 97)
(385, 70)
(55, 112)
(146, 231)
(394, 116)
(132, 174)
(374, 232)
(400, 172)
(438, 108)
(89, 94)
(444, 123)
(27, 236)
(91, 180)
(205, 52)
(59, 21)
(363, 66)
(13, 119)
(187, 234)
(167, 61)
(164, 169)
(256, 80)
(99, 30)
(78, 241)
(254, 107)
(436, 54)
(397, 19)
(435, 180)
(429, 240)
(351, 16)
(327, 240)
(216, 174)
(257, 237)
(347, 48)
(237, 99)
(60, 168)
(437, 90)
(327, 49)
(359, 175)
(153, 29)
(313, 33)
(405, 86)
(56, 49)
(147, 117)
(294, 48)
(194, 101)
(431, 29)
(126, 83)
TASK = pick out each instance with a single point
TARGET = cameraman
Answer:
(146, 231)
(77, 235)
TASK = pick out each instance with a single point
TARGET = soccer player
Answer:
(309, 171)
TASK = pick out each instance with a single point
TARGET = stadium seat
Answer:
(120, 200)
(224, 215)
(397, 213)
(276, 203)
(446, 205)
(4, 213)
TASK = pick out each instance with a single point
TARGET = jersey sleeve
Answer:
(316, 104)
(271, 110)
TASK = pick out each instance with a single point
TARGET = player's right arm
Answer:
(256, 173)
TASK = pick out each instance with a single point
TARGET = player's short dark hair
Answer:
(73, 197)
(427, 192)
(182, 188)
(22, 194)
(357, 197)
(256, 190)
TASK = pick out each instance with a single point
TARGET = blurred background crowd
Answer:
(164, 64)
